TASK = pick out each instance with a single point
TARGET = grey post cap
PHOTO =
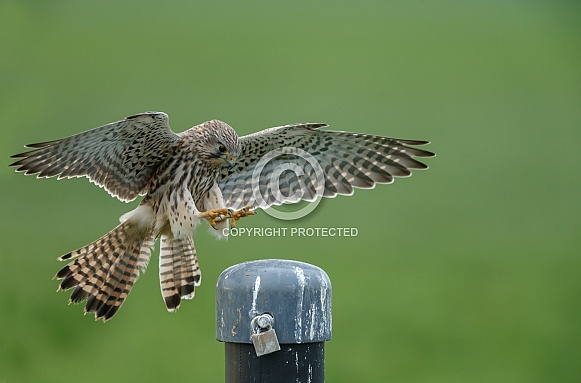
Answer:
(296, 294)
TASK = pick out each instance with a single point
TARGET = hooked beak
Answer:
(231, 161)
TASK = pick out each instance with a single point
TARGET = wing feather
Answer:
(119, 157)
(346, 161)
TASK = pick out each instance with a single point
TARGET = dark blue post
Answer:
(262, 305)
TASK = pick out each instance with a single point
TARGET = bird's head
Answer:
(218, 143)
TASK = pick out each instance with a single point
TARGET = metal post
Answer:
(274, 317)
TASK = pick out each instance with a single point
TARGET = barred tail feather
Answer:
(179, 272)
(104, 271)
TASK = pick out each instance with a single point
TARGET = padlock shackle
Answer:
(261, 322)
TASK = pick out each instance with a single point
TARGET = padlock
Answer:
(263, 335)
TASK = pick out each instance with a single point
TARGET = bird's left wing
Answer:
(120, 157)
(302, 162)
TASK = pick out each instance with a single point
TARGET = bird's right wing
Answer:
(120, 157)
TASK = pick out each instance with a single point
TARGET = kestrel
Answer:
(206, 172)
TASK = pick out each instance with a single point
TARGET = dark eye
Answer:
(222, 149)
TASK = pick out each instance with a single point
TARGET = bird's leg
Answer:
(244, 212)
(214, 214)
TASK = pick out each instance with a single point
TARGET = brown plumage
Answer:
(192, 175)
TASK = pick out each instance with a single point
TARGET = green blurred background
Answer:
(467, 272)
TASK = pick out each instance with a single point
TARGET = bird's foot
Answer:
(216, 214)
(244, 212)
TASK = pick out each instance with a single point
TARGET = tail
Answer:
(104, 271)
(179, 272)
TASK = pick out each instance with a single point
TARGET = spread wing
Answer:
(120, 157)
(302, 162)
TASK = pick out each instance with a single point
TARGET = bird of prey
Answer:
(206, 172)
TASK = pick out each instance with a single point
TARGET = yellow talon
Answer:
(213, 214)
(244, 212)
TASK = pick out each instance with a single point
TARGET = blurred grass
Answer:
(470, 270)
